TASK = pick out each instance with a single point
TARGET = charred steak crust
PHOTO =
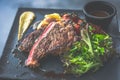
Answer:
(58, 40)
(27, 43)
(29, 40)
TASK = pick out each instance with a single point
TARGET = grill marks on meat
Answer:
(55, 40)
(28, 41)
(62, 39)
(36, 47)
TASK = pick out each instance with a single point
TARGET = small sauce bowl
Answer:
(99, 12)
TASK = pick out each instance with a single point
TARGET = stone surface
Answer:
(9, 8)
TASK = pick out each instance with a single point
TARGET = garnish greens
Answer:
(86, 54)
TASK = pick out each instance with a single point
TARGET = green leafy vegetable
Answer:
(86, 54)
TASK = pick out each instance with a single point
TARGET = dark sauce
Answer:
(100, 13)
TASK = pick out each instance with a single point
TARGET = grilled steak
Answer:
(55, 39)
(29, 40)
(27, 43)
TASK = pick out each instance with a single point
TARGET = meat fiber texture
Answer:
(27, 42)
(56, 39)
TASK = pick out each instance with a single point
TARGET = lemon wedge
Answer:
(47, 19)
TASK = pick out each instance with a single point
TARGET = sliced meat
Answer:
(56, 39)
(28, 41)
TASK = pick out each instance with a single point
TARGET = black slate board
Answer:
(9, 68)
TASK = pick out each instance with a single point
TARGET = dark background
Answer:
(8, 9)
